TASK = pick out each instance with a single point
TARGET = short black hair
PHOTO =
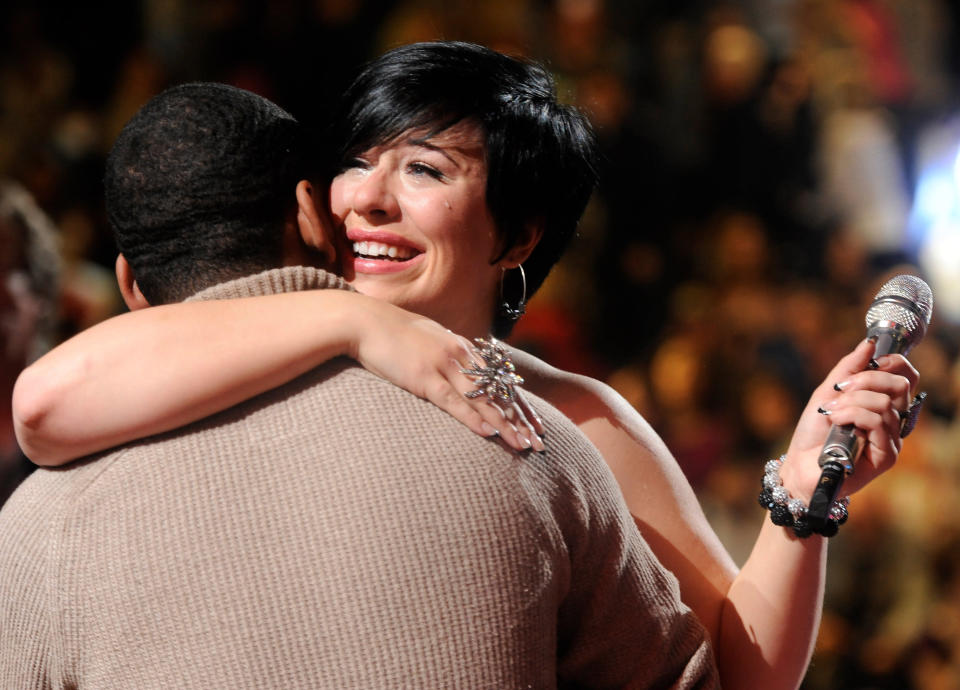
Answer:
(198, 185)
(541, 154)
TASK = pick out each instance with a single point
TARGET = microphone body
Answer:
(897, 320)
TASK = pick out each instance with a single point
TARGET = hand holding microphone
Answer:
(868, 417)
(896, 321)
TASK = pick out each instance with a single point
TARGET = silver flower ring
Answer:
(497, 377)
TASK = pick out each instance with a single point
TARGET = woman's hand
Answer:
(422, 357)
(871, 399)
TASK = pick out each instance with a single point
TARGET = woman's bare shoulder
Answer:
(586, 400)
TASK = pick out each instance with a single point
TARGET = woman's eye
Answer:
(424, 169)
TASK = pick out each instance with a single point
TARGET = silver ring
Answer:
(497, 376)
(908, 419)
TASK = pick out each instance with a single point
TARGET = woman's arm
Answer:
(763, 620)
(156, 369)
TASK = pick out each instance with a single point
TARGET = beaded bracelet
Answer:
(792, 512)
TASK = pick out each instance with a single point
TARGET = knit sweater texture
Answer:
(336, 532)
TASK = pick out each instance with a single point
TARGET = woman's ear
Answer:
(524, 246)
(316, 230)
(129, 289)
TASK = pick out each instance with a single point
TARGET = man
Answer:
(335, 532)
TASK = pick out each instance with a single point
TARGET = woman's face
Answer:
(418, 230)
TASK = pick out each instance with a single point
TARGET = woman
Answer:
(459, 166)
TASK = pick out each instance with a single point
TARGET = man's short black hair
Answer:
(540, 154)
(198, 186)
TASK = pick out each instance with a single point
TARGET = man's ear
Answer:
(129, 289)
(524, 246)
(316, 230)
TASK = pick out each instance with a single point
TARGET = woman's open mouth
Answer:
(382, 251)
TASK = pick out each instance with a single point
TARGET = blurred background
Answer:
(768, 164)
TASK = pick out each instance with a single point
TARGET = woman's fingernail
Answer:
(487, 429)
(840, 386)
(537, 443)
(524, 441)
(873, 364)
(823, 411)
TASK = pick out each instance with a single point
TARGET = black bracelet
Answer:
(792, 512)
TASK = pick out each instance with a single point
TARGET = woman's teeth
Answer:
(377, 250)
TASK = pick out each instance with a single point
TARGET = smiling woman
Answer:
(467, 157)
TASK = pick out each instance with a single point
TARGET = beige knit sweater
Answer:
(336, 533)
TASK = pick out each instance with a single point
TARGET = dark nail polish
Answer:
(873, 364)
(823, 411)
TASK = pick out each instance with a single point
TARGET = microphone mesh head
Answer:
(905, 300)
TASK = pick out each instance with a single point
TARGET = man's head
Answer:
(202, 186)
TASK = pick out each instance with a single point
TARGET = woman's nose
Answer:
(373, 195)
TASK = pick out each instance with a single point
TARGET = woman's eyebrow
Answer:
(465, 150)
(443, 150)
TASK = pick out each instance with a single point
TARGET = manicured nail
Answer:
(840, 386)
(873, 364)
(524, 441)
(537, 443)
(487, 429)
(823, 411)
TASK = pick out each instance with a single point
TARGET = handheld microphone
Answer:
(897, 320)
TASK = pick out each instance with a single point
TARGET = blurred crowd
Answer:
(762, 160)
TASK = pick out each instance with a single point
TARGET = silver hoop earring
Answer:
(508, 311)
